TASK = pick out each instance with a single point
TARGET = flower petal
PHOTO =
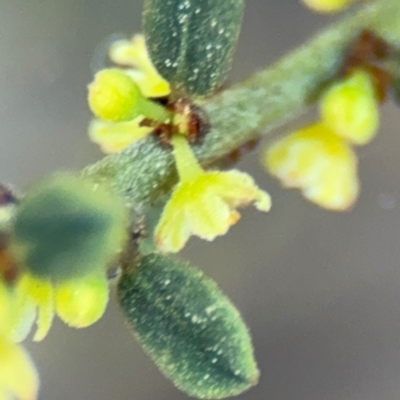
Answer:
(80, 302)
(209, 216)
(45, 312)
(336, 189)
(173, 231)
(133, 53)
(150, 85)
(238, 189)
(37, 293)
(320, 163)
(114, 137)
(263, 202)
(17, 372)
(24, 318)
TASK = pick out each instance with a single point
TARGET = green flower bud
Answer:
(67, 227)
(114, 96)
(350, 107)
(188, 327)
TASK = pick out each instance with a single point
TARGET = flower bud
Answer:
(350, 108)
(113, 95)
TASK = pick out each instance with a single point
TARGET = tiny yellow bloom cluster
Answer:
(120, 98)
(204, 202)
(327, 6)
(18, 376)
(318, 159)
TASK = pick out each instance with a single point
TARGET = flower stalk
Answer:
(186, 163)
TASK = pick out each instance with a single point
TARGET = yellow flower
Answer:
(319, 163)
(133, 53)
(18, 376)
(79, 302)
(203, 203)
(350, 108)
(327, 6)
(113, 137)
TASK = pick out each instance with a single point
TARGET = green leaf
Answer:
(66, 227)
(188, 327)
(191, 42)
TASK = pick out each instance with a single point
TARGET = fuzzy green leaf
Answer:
(188, 327)
(191, 42)
(66, 227)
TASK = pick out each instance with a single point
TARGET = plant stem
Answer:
(153, 110)
(144, 172)
(186, 163)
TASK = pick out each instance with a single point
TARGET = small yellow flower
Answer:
(113, 137)
(133, 53)
(320, 163)
(204, 203)
(350, 108)
(327, 6)
(18, 376)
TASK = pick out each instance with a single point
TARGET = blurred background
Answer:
(320, 291)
